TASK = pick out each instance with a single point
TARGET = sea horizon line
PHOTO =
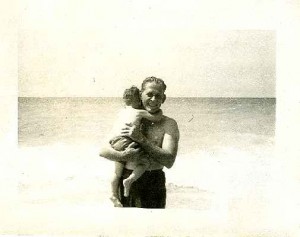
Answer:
(183, 97)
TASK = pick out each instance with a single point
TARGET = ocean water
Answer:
(207, 124)
(225, 151)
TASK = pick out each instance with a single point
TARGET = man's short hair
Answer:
(131, 93)
(156, 80)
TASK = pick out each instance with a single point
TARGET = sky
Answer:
(98, 48)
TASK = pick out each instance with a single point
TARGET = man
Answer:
(159, 140)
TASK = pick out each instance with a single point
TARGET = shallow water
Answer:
(204, 123)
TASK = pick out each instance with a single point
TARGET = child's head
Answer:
(131, 97)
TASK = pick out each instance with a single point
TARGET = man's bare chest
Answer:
(155, 133)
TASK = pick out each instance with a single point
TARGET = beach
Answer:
(64, 191)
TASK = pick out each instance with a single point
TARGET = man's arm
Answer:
(130, 153)
(164, 155)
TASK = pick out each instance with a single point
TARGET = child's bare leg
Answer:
(115, 184)
(136, 173)
(114, 197)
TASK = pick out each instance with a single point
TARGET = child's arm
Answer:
(152, 117)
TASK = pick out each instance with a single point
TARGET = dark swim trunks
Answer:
(149, 191)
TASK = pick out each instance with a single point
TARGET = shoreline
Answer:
(59, 185)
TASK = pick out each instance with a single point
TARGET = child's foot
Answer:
(116, 201)
(127, 184)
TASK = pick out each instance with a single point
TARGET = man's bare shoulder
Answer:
(169, 123)
(168, 120)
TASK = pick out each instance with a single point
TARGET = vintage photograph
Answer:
(221, 105)
(147, 119)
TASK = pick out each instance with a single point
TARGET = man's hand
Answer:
(133, 132)
(131, 153)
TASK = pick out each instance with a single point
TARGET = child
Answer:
(133, 113)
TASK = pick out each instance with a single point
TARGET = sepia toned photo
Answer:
(151, 119)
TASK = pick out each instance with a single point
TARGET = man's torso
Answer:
(155, 132)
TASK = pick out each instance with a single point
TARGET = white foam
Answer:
(228, 173)
(228, 170)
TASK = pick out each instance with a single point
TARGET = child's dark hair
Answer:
(129, 94)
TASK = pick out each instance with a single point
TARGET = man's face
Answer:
(152, 97)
